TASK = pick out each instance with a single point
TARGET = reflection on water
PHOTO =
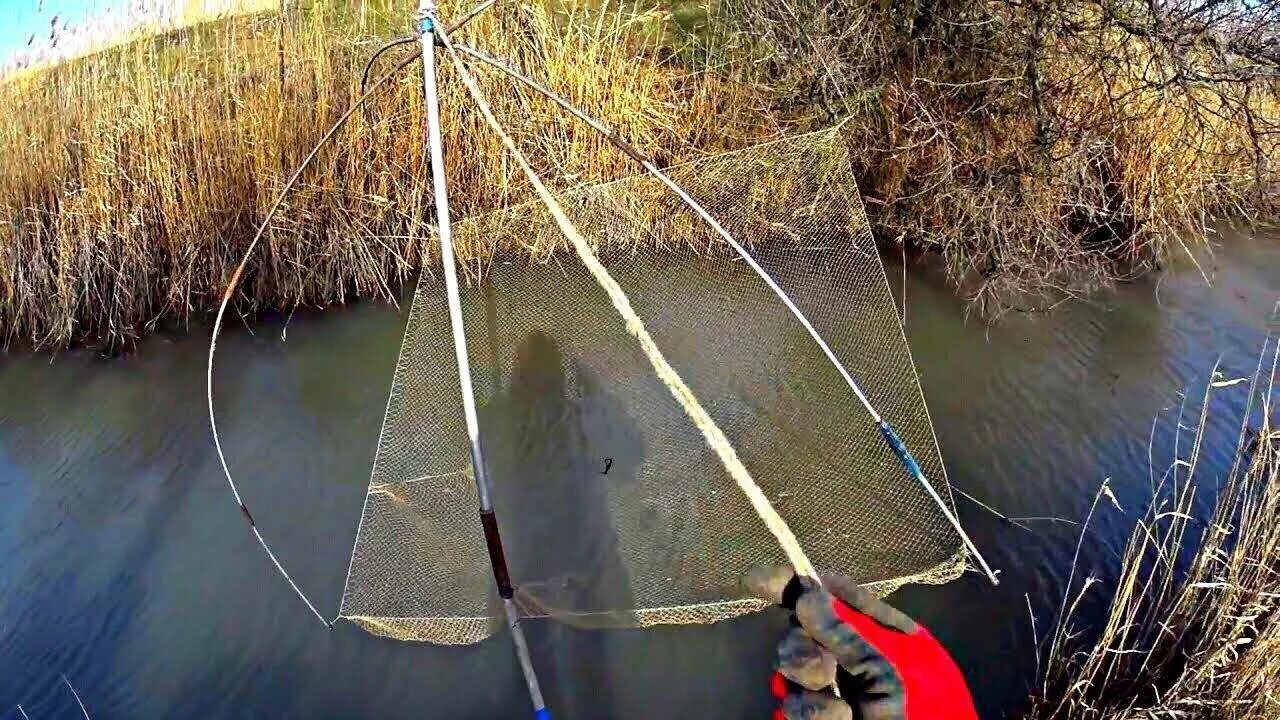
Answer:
(1034, 413)
(124, 563)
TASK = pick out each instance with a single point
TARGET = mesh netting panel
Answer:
(613, 510)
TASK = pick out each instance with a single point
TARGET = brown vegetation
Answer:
(1040, 145)
(131, 182)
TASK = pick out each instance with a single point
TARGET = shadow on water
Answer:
(543, 434)
(124, 562)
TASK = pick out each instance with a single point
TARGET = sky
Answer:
(84, 26)
(19, 19)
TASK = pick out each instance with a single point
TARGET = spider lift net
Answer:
(612, 509)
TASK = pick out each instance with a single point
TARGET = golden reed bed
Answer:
(1192, 627)
(131, 181)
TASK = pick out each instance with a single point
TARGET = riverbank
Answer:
(132, 181)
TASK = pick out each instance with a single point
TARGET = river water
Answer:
(125, 565)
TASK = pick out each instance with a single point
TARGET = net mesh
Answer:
(613, 511)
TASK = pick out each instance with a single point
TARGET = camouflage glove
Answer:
(886, 666)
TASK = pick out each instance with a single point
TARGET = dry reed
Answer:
(130, 182)
(1193, 628)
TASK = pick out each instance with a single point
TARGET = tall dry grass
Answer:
(130, 182)
(1193, 626)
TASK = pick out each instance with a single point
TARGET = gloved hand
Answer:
(886, 665)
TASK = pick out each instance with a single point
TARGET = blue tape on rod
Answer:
(542, 714)
(899, 448)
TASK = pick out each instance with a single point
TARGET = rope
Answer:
(711, 432)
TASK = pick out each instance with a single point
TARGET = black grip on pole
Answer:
(244, 510)
(497, 557)
(628, 148)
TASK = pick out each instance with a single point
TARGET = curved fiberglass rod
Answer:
(234, 282)
(887, 431)
(236, 276)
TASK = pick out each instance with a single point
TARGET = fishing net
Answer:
(613, 510)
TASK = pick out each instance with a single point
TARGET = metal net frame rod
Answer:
(227, 294)
(488, 519)
(367, 91)
(887, 431)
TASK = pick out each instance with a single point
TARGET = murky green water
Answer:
(124, 563)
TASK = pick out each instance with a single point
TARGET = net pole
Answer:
(488, 519)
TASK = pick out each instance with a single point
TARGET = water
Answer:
(124, 563)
